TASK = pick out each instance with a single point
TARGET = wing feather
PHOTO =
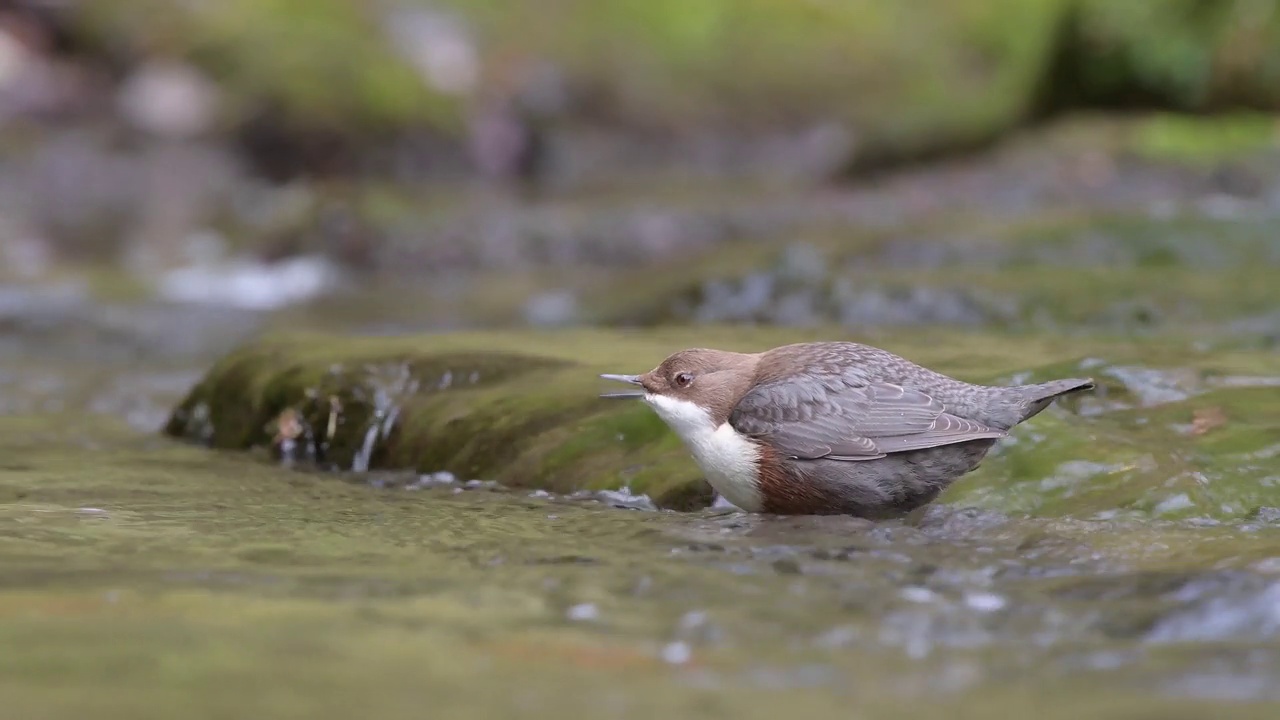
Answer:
(828, 417)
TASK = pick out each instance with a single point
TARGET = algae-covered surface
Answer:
(453, 524)
(147, 578)
(1092, 567)
(215, 514)
(1172, 430)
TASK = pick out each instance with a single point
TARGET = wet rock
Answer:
(677, 653)
(169, 100)
(584, 612)
(1041, 275)
(1155, 386)
(1137, 450)
(438, 45)
(916, 306)
(621, 498)
(90, 199)
(1270, 515)
(553, 308)
(520, 415)
(520, 409)
(35, 83)
(250, 284)
(1234, 616)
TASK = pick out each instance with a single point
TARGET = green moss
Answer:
(1202, 140)
(520, 408)
(1211, 455)
(906, 76)
(1181, 54)
(531, 417)
(319, 64)
(144, 579)
(1091, 271)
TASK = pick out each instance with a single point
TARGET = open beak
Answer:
(632, 379)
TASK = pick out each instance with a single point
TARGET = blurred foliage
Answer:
(1180, 54)
(1211, 140)
(905, 77)
(323, 63)
(905, 73)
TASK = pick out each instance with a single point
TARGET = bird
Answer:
(831, 427)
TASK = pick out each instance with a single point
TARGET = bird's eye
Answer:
(683, 379)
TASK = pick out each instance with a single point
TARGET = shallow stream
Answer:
(141, 577)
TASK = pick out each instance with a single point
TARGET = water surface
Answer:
(144, 578)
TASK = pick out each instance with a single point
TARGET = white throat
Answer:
(727, 458)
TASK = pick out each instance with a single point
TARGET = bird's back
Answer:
(857, 364)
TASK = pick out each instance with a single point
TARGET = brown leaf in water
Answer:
(1206, 419)
(288, 426)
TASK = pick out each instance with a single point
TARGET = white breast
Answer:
(727, 458)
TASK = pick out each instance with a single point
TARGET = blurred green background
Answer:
(903, 78)
(284, 127)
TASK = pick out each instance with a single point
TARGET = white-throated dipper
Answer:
(831, 427)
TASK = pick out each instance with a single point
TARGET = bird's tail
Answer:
(1039, 397)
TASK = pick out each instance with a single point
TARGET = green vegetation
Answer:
(1207, 140)
(1179, 54)
(313, 64)
(521, 408)
(905, 77)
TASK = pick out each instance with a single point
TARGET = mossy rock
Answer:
(1207, 140)
(1184, 436)
(1172, 430)
(521, 409)
(1104, 271)
(904, 77)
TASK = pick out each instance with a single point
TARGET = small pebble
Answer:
(693, 619)
(917, 594)
(677, 653)
(984, 601)
(583, 612)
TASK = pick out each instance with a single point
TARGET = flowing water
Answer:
(141, 577)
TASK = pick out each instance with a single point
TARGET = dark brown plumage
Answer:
(832, 427)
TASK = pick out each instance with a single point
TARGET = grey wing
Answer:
(827, 418)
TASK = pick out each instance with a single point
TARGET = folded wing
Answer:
(816, 418)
